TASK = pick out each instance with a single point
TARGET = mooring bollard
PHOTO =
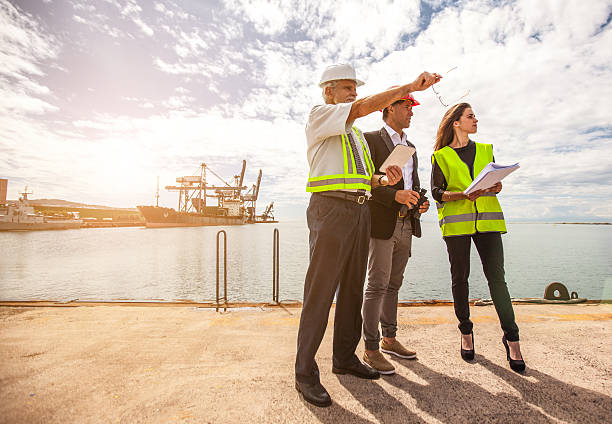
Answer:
(275, 266)
(556, 291)
(224, 270)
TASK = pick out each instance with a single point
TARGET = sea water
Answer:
(180, 263)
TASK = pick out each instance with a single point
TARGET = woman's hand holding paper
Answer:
(475, 195)
(495, 189)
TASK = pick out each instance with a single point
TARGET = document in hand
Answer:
(490, 175)
(399, 156)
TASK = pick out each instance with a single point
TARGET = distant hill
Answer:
(67, 204)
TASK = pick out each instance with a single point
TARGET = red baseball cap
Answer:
(408, 97)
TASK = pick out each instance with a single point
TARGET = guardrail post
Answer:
(224, 270)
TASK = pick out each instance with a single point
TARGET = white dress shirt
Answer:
(407, 169)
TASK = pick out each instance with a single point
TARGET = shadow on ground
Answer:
(450, 399)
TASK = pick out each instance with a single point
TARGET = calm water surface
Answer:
(180, 263)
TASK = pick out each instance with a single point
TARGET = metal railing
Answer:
(275, 266)
(224, 270)
(275, 269)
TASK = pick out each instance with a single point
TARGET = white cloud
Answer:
(172, 10)
(144, 27)
(96, 22)
(132, 11)
(174, 143)
(22, 103)
(85, 7)
(178, 102)
(23, 44)
(131, 8)
(269, 17)
(24, 47)
(537, 73)
(183, 68)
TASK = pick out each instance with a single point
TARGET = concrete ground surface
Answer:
(110, 364)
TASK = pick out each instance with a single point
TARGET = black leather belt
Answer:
(353, 197)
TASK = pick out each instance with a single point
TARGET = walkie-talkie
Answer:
(422, 199)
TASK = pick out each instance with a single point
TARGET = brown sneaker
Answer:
(377, 361)
(397, 349)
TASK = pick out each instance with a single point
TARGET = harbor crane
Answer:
(193, 192)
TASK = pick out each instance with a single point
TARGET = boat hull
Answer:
(157, 217)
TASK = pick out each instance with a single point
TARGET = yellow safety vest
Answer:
(350, 179)
(462, 217)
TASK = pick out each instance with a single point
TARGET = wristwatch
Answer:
(380, 180)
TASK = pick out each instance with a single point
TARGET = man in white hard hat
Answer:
(340, 180)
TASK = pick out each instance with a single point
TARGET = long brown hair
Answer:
(446, 133)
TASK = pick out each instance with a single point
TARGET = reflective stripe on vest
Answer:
(350, 179)
(461, 217)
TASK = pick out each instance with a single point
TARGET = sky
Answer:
(98, 98)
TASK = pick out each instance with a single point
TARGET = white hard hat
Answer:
(339, 72)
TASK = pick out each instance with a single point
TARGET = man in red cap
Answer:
(393, 223)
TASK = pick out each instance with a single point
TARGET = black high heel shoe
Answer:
(517, 365)
(467, 354)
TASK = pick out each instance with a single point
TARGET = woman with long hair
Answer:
(475, 217)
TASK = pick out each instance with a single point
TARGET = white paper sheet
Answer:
(399, 156)
(491, 175)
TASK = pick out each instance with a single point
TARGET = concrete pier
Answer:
(165, 364)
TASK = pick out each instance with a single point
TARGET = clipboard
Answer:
(399, 156)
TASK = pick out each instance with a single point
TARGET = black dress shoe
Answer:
(313, 393)
(517, 365)
(467, 354)
(358, 370)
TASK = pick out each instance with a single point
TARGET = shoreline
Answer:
(258, 305)
(584, 223)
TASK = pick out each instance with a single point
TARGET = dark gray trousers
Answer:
(386, 265)
(339, 238)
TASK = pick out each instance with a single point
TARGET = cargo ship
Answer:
(20, 216)
(234, 205)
